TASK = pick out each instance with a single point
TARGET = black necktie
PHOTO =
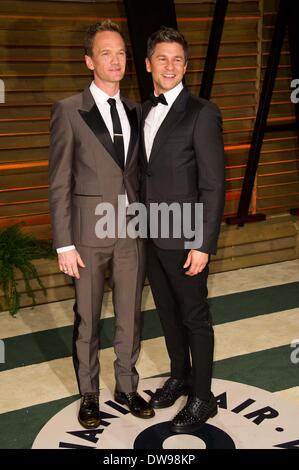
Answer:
(158, 99)
(117, 133)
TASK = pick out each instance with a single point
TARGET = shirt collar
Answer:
(100, 96)
(172, 94)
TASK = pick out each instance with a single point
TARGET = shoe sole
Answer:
(192, 427)
(89, 426)
(159, 406)
(121, 402)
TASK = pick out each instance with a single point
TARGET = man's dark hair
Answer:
(166, 34)
(95, 28)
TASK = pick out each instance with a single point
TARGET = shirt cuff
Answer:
(65, 248)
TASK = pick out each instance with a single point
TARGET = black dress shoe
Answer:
(194, 414)
(169, 393)
(89, 414)
(136, 404)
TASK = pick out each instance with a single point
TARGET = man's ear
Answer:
(89, 62)
(148, 65)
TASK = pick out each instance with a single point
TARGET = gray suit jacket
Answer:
(84, 168)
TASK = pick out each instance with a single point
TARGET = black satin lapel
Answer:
(132, 118)
(146, 107)
(95, 122)
(172, 119)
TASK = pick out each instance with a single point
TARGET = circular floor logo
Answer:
(248, 418)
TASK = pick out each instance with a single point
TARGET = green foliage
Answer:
(17, 250)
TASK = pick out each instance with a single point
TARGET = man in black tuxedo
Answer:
(182, 162)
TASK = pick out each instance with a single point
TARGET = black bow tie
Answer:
(158, 99)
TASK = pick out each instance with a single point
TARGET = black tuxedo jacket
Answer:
(186, 164)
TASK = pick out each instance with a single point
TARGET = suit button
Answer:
(148, 173)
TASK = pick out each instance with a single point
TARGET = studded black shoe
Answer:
(194, 414)
(169, 393)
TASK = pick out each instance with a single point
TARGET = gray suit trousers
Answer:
(125, 261)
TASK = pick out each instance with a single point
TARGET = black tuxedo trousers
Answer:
(185, 165)
(184, 312)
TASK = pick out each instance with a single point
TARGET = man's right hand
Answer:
(69, 261)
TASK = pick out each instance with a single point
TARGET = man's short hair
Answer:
(95, 28)
(166, 34)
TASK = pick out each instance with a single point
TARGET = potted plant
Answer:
(17, 251)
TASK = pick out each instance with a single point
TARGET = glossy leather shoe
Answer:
(194, 414)
(136, 404)
(169, 393)
(89, 414)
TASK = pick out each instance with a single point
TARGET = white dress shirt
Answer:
(157, 115)
(101, 98)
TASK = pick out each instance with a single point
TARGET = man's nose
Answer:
(115, 59)
(169, 65)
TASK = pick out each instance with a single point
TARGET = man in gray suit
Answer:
(93, 159)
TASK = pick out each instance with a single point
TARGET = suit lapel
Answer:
(93, 118)
(95, 122)
(133, 121)
(147, 106)
(172, 118)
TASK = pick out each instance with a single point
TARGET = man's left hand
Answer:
(196, 262)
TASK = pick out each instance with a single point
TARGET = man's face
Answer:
(167, 65)
(108, 61)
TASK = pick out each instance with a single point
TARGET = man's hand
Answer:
(196, 262)
(68, 263)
